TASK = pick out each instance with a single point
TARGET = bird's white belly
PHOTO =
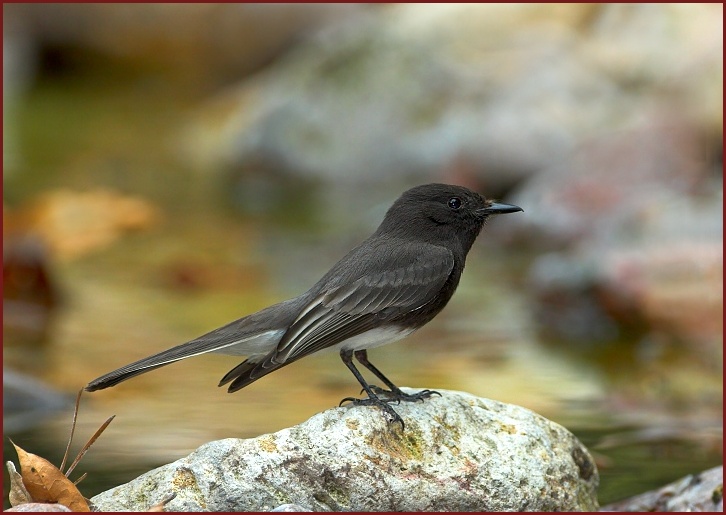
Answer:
(373, 338)
(260, 345)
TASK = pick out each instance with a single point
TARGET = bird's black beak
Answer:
(498, 209)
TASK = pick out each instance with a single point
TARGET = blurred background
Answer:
(168, 168)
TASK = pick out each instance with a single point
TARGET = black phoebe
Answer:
(381, 291)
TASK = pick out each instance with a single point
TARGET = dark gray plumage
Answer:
(385, 288)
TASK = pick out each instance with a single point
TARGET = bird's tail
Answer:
(248, 372)
(229, 339)
(185, 350)
(253, 335)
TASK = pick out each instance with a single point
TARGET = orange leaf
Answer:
(45, 483)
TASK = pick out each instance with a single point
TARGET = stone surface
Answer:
(695, 492)
(35, 507)
(494, 92)
(290, 508)
(458, 452)
(634, 223)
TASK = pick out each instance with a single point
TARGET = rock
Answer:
(457, 453)
(634, 223)
(290, 508)
(616, 185)
(31, 294)
(28, 402)
(695, 492)
(35, 507)
(495, 91)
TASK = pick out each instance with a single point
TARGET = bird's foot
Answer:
(397, 395)
(391, 416)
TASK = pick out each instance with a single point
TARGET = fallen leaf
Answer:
(74, 223)
(18, 494)
(46, 483)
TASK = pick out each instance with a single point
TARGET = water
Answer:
(215, 255)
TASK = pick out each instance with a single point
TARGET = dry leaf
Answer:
(45, 483)
(18, 494)
(74, 223)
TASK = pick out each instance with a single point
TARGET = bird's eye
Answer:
(454, 203)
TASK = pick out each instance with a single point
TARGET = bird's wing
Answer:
(338, 308)
(341, 312)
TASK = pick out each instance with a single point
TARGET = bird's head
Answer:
(441, 212)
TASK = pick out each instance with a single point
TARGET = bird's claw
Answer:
(419, 396)
(389, 397)
(398, 395)
(381, 391)
(391, 416)
(348, 399)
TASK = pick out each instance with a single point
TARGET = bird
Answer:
(384, 289)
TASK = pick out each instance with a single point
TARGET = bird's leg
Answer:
(395, 393)
(372, 400)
